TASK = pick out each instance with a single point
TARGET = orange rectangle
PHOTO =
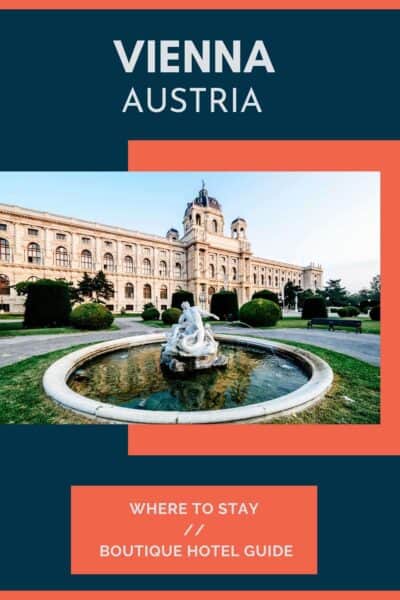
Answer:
(204, 595)
(193, 529)
(282, 155)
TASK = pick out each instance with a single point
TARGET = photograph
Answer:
(188, 297)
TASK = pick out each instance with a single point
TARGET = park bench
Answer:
(332, 323)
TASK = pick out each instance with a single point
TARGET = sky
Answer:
(332, 218)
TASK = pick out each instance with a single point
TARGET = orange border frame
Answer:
(200, 4)
(263, 155)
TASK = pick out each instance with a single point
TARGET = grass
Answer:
(7, 316)
(354, 397)
(16, 329)
(22, 399)
(368, 326)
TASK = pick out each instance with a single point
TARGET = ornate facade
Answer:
(143, 268)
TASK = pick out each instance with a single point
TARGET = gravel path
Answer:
(364, 346)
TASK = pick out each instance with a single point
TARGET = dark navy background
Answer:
(63, 87)
(61, 92)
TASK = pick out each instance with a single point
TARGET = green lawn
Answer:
(354, 397)
(7, 316)
(12, 329)
(368, 326)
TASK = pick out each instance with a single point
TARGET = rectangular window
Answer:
(85, 240)
(128, 246)
(108, 244)
(110, 307)
(129, 307)
(32, 231)
(60, 236)
(3, 227)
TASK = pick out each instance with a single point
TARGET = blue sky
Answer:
(330, 218)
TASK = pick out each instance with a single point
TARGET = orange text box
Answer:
(193, 529)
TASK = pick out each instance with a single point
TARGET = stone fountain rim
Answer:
(56, 377)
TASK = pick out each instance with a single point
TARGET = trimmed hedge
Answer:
(375, 313)
(150, 314)
(47, 304)
(91, 315)
(348, 311)
(314, 308)
(260, 313)
(266, 295)
(171, 316)
(225, 305)
(181, 296)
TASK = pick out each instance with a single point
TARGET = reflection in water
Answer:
(133, 378)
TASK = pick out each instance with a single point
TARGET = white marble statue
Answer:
(190, 337)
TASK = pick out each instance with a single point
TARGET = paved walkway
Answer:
(364, 346)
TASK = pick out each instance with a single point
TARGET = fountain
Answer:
(191, 345)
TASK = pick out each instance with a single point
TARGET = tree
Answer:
(304, 295)
(334, 293)
(97, 288)
(375, 290)
(85, 286)
(290, 292)
(102, 288)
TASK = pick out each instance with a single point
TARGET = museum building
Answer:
(143, 267)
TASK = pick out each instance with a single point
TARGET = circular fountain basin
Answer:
(308, 374)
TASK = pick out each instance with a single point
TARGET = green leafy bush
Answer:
(181, 296)
(47, 303)
(375, 313)
(266, 295)
(314, 308)
(150, 314)
(348, 311)
(260, 313)
(171, 316)
(224, 304)
(91, 315)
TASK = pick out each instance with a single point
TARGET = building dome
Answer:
(204, 200)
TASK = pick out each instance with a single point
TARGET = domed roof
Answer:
(204, 200)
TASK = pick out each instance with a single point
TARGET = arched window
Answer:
(4, 285)
(34, 253)
(62, 257)
(108, 262)
(147, 291)
(86, 260)
(212, 271)
(5, 250)
(276, 281)
(269, 280)
(198, 219)
(223, 271)
(214, 225)
(234, 273)
(178, 270)
(211, 291)
(255, 277)
(129, 290)
(128, 264)
(163, 268)
(163, 292)
(262, 279)
(146, 266)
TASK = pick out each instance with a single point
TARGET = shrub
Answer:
(266, 295)
(181, 296)
(314, 308)
(148, 305)
(91, 315)
(260, 312)
(150, 314)
(225, 305)
(47, 304)
(334, 310)
(171, 316)
(375, 313)
(348, 311)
